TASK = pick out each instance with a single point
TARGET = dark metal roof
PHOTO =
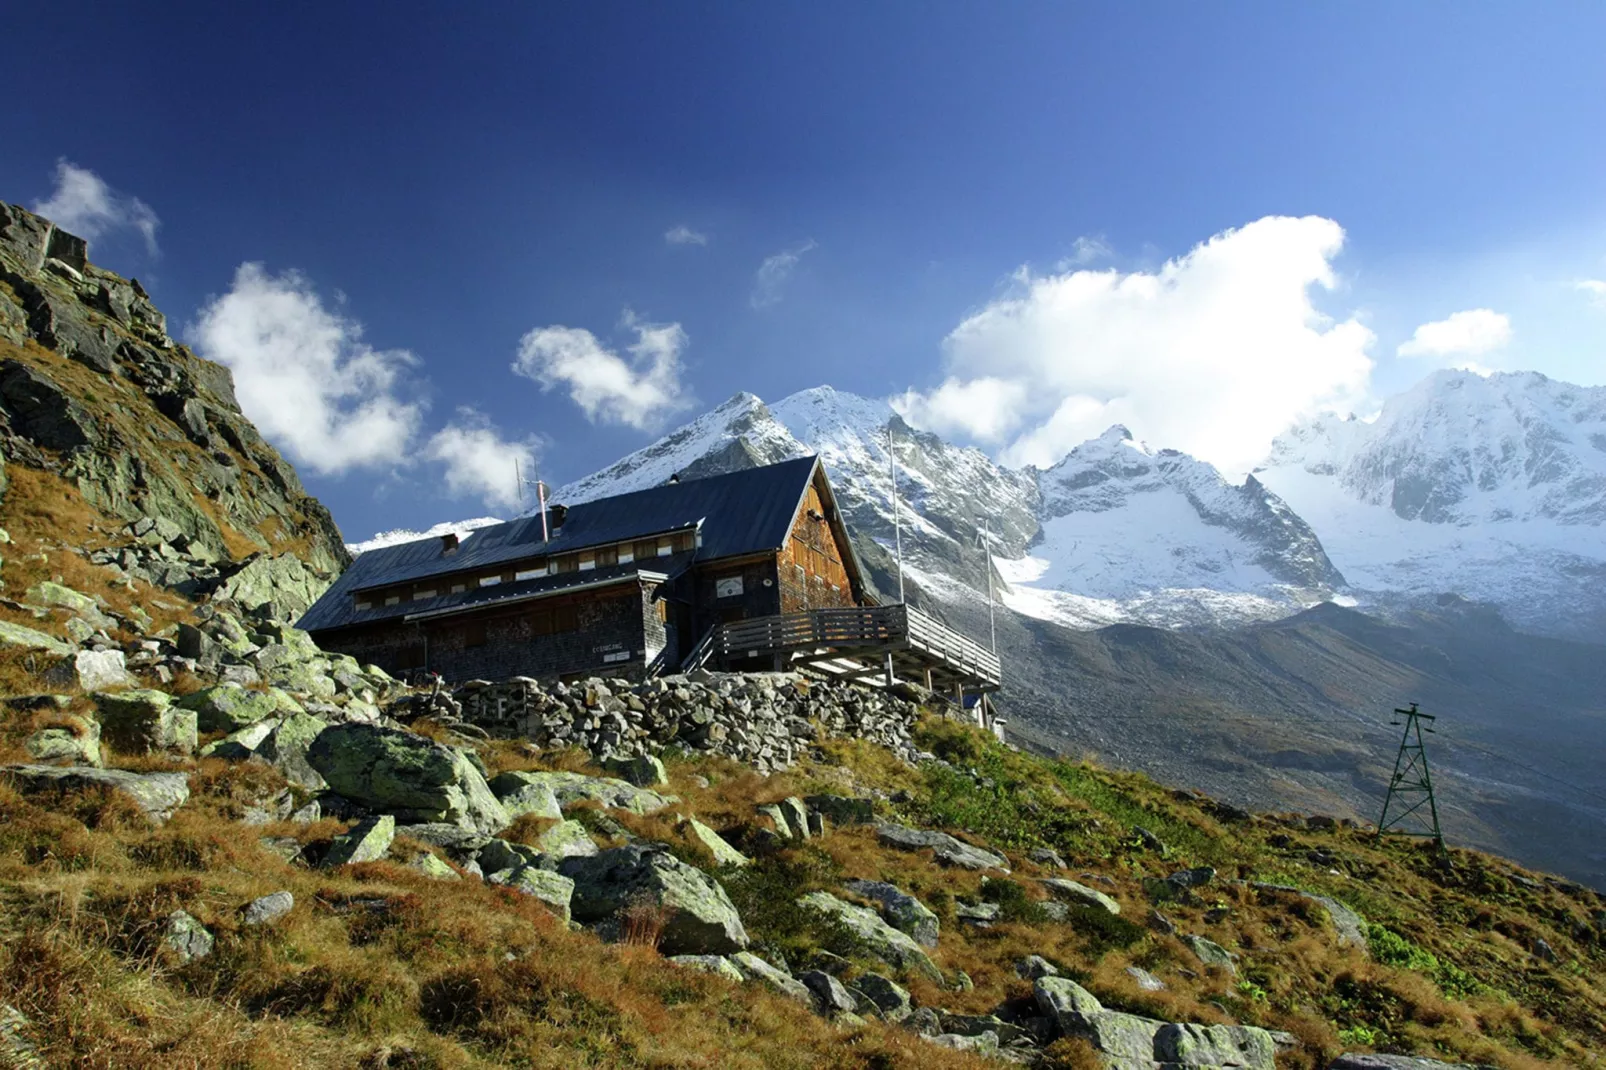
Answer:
(744, 512)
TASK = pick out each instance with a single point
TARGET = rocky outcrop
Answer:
(872, 935)
(93, 390)
(1130, 1042)
(764, 720)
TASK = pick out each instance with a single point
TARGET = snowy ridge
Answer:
(461, 528)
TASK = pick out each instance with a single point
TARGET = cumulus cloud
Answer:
(479, 462)
(1464, 334)
(1083, 252)
(1595, 288)
(304, 375)
(83, 204)
(637, 391)
(681, 234)
(773, 273)
(1214, 353)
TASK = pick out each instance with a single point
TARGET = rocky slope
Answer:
(98, 402)
(1493, 488)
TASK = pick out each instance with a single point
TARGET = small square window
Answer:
(490, 581)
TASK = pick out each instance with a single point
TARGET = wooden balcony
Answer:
(861, 643)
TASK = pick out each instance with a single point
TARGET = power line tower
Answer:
(1412, 785)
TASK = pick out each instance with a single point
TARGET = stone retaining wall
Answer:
(763, 719)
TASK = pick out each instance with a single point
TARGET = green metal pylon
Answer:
(1411, 780)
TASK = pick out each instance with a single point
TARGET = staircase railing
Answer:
(701, 652)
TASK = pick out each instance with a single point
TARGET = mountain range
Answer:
(1250, 638)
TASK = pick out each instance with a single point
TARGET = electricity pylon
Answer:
(1411, 785)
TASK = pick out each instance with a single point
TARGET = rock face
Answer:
(700, 917)
(411, 777)
(156, 794)
(163, 437)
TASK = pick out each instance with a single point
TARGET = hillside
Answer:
(220, 846)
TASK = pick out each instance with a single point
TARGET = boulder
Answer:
(982, 1044)
(701, 918)
(367, 841)
(573, 788)
(947, 849)
(287, 747)
(1079, 894)
(75, 742)
(644, 771)
(1351, 927)
(413, 778)
(901, 910)
(841, 809)
(268, 908)
(830, 997)
(1357, 1060)
(58, 596)
(1144, 979)
(142, 721)
(797, 817)
(553, 889)
(566, 839)
(724, 854)
(1211, 953)
(1215, 1045)
(526, 793)
(1032, 967)
(777, 816)
(283, 582)
(29, 639)
(887, 996)
(230, 707)
(92, 670)
(186, 937)
(431, 866)
(238, 746)
(718, 965)
(754, 968)
(871, 935)
(156, 795)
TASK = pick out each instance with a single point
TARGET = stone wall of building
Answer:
(764, 719)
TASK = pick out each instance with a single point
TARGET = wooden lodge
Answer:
(752, 570)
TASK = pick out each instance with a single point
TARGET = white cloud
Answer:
(773, 273)
(681, 234)
(1083, 252)
(986, 409)
(638, 392)
(479, 462)
(1595, 288)
(84, 205)
(1469, 334)
(1214, 353)
(304, 375)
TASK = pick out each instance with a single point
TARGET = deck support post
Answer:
(891, 679)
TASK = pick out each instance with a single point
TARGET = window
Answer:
(490, 581)
(363, 603)
(459, 588)
(588, 562)
(530, 573)
(666, 546)
(627, 554)
(423, 592)
(392, 599)
(474, 633)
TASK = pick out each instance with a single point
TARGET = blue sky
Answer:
(968, 207)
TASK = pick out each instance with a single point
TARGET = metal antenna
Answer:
(987, 562)
(897, 519)
(540, 495)
(1411, 780)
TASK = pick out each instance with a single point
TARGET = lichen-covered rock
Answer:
(724, 854)
(287, 747)
(76, 741)
(230, 707)
(431, 866)
(566, 839)
(901, 910)
(156, 795)
(367, 841)
(552, 889)
(59, 596)
(283, 582)
(889, 998)
(30, 639)
(831, 998)
(1215, 1045)
(872, 935)
(144, 720)
(1211, 953)
(946, 848)
(91, 671)
(1128, 1042)
(1351, 927)
(1079, 894)
(701, 918)
(754, 968)
(643, 770)
(574, 788)
(526, 793)
(268, 908)
(718, 965)
(186, 937)
(399, 773)
(842, 809)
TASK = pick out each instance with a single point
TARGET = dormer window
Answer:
(449, 543)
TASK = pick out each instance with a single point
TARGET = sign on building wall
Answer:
(729, 587)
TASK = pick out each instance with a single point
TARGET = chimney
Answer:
(449, 542)
(558, 513)
(674, 477)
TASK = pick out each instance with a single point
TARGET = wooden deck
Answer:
(862, 643)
